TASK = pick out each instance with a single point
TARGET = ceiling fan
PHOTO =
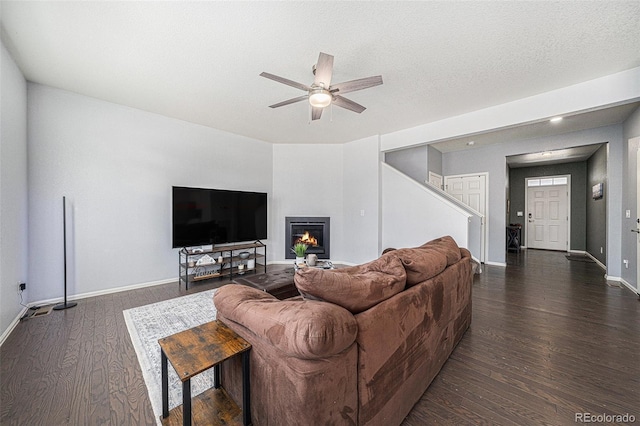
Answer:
(322, 93)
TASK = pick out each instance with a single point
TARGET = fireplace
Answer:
(312, 231)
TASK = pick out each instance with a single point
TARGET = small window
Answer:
(548, 181)
(560, 181)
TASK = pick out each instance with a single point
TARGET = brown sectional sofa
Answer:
(363, 343)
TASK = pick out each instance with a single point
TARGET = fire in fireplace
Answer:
(312, 231)
(307, 239)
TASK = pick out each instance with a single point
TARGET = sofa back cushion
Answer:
(446, 245)
(356, 288)
(304, 329)
(421, 264)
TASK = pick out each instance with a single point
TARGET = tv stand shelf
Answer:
(210, 266)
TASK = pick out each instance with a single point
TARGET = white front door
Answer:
(547, 215)
(472, 191)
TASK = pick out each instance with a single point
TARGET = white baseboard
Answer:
(15, 322)
(623, 282)
(630, 287)
(13, 325)
(501, 264)
(103, 292)
(600, 264)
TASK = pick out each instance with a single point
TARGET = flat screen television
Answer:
(216, 216)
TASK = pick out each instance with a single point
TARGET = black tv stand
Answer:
(232, 263)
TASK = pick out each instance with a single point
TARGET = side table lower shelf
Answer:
(211, 407)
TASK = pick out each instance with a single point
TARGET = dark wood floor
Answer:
(549, 339)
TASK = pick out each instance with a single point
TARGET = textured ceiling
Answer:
(200, 61)
(543, 158)
(572, 123)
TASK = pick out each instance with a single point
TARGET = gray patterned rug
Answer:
(149, 323)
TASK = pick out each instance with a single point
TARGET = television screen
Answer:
(217, 216)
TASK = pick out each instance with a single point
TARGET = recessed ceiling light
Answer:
(556, 119)
(471, 143)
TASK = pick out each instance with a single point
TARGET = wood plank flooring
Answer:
(549, 338)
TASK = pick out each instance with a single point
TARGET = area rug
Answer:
(147, 324)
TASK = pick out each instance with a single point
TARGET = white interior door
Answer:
(472, 191)
(547, 216)
(435, 180)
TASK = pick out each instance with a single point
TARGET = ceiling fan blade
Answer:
(359, 84)
(316, 113)
(290, 101)
(285, 81)
(324, 70)
(348, 104)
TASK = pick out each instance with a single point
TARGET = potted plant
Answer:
(300, 249)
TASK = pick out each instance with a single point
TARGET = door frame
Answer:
(637, 140)
(526, 205)
(484, 241)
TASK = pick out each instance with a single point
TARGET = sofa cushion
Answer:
(420, 263)
(446, 245)
(356, 288)
(305, 329)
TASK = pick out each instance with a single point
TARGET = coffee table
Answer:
(278, 283)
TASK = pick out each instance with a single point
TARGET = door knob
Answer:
(636, 230)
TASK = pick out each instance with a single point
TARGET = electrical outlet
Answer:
(22, 286)
(601, 250)
(626, 263)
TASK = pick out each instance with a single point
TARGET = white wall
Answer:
(361, 195)
(413, 214)
(307, 181)
(13, 190)
(492, 159)
(116, 165)
(413, 162)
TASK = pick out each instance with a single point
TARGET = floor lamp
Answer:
(65, 305)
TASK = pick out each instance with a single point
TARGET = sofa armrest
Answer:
(305, 329)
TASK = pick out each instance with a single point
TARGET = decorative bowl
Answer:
(243, 254)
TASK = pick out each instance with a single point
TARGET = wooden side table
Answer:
(196, 350)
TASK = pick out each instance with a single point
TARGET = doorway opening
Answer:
(547, 207)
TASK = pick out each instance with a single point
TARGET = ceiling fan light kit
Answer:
(321, 93)
(320, 98)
